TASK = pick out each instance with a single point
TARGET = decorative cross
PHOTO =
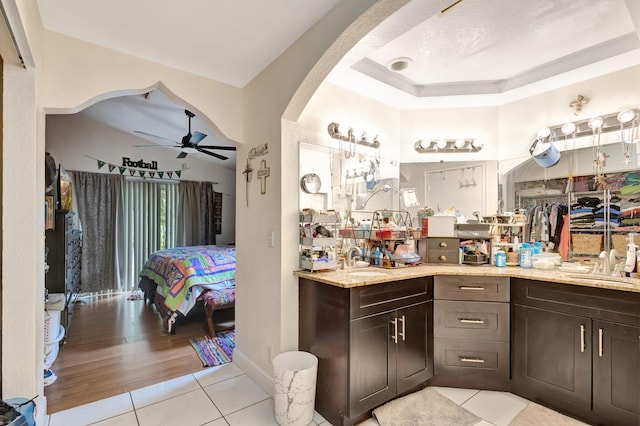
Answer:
(248, 174)
(263, 174)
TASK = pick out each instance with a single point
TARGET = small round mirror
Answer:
(310, 183)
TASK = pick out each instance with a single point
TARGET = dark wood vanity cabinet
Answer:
(576, 349)
(373, 343)
(471, 332)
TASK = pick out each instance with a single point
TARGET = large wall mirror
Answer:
(366, 182)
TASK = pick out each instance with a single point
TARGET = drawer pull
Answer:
(402, 332)
(443, 244)
(600, 336)
(395, 330)
(582, 345)
(471, 321)
(474, 288)
(472, 360)
(442, 258)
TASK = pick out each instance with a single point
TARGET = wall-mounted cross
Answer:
(263, 174)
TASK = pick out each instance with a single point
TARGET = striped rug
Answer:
(215, 351)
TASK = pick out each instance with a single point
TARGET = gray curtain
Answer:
(196, 224)
(100, 212)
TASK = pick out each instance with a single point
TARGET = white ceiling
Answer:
(479, 52)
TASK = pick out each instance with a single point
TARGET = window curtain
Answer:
(100, 210)
(196, 224)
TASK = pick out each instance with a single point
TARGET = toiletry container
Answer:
(630, 266)
(501, 258)
(525, 256)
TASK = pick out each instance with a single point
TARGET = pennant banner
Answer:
(136, 171)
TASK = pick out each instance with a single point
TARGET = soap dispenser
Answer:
(630, 266)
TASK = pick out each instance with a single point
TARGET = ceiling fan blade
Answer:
(213, 154)
(224, 148)
(157, 146)
(182, 154)
(197, 137)
(140, 132)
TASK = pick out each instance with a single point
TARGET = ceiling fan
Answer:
(190, 142)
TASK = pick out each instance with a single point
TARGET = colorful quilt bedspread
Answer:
(179, 269)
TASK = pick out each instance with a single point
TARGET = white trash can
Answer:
(294, 379)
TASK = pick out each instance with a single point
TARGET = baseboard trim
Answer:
(258, 375)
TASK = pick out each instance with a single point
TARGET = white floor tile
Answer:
(211, 375)
(318, 418)
(93, 412)
(220, 422)
(499, 408)
(193, 408)
(235, 394)
(165, 390)
(459, 396)
(369, 422)
(127, 419)
(257, 414)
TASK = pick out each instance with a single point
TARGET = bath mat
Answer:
(215, 351)
(534, 414)
(425, 408)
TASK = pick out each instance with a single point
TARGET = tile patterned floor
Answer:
(225, 396)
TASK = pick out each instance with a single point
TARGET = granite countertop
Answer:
(358, 277)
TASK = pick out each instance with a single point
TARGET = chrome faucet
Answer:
(350, 257)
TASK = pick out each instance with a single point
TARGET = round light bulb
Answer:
(442, 144)
(627, 116)
(568, 129)
(460, 143)
(477, 143)
(545, 132)
(425, 144)
(595, 123)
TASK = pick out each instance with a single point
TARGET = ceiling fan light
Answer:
(189, 150)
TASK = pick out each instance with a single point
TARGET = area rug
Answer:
(534, 415)
(424, 408)
(215, 351)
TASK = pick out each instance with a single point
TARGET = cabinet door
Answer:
(372, 362)
(415, 346)
(616, 369)
(551, 358)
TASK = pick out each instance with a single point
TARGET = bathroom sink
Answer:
(367, 274)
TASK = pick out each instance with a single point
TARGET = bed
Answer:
(176, 279)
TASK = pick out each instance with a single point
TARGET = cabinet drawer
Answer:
(435, 243)
(490, 289)
(609, 305)
(471, 320)
(378, 298)
(443, 256)
(460, 356)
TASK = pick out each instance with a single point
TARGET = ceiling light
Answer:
(399, 64)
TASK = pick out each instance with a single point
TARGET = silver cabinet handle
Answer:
(472, 360)
(402, 332)
(582, 347)
(395, 330)
(600, 336)
(474, 288)
(470, 321)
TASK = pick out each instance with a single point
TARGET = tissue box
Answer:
(441, 226)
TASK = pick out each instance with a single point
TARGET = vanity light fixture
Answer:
(334, 132)
(448, 146)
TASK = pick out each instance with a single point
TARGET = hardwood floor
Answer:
(115, 345)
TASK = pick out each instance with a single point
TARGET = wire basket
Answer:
(587, 243)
